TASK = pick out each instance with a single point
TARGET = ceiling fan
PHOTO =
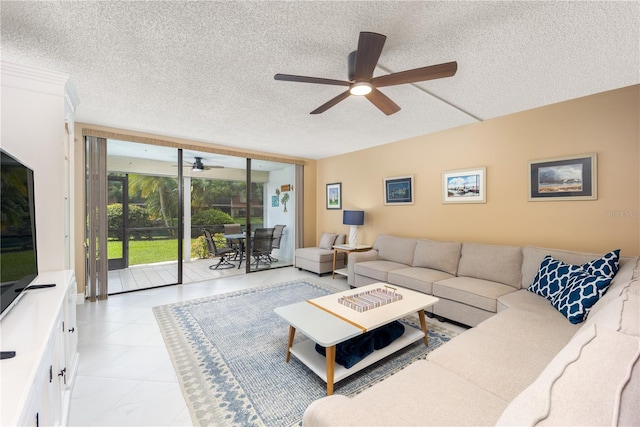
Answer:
(198, 166)
(361, 64)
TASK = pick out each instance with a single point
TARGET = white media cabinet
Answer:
(41, 328)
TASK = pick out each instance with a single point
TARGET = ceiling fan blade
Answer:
(383, 102)
(369, 49)
(431, 72)
(305, 79)
(324, 107)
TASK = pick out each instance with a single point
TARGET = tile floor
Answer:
(125, 376)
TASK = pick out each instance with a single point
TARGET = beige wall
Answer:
(606, 123)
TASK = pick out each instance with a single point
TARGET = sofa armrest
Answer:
(355, 257)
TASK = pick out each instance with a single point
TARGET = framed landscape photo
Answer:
(334, 195)
(563, 178)
(398, 190)
(465, 186)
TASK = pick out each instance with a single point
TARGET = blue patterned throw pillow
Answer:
(586, 286)
(552, 277)
(607, 266)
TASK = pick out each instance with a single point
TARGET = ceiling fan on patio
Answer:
(198, 166)
(361, 64)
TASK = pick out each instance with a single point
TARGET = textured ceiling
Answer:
(204, 70)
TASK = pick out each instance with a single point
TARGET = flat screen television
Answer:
(18, 255)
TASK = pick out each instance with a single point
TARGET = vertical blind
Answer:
(96, 187)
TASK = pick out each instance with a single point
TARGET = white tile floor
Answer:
(165, 273)
(125, 377)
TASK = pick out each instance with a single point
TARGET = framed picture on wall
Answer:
(464, 186)
(563, 178)
(398, 190)
(334, 195)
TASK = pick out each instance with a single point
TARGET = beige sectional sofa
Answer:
(468, 278)
(525, 364)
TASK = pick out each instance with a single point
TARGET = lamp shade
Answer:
(353, 217)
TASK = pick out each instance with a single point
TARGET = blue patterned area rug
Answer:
(229, 354)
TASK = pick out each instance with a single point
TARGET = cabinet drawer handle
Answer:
(72, 329)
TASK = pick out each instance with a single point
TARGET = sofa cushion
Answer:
(416, 278)
(479, 293)
(327, 240)
(491, 262)
(527, 301)
(317, 254)
(496, 363)
(340, 239)
(443, 256)
(616, 288)
(377, 270)
(564, 395)
(396, 249)
(621, 314)
(548, 329)
(406, 399)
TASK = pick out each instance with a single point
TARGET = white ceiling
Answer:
(204, 70)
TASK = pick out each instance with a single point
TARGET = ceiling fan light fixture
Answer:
(197, 165)
(360, 88)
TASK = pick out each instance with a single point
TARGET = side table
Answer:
(347, 249)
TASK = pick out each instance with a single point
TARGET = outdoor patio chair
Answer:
(261, 245)
(225, 253)
(278, 231)
(236, 244)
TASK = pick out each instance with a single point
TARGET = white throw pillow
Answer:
(327, 240)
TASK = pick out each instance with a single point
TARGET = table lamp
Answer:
(354, 219)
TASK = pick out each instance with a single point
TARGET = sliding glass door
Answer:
(143, 215)
(272, 212)
(162, 203)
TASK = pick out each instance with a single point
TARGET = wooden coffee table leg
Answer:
(292, 334)
(331, 359)
(423, 326)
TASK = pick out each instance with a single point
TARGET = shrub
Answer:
(212, 217)
(199, 248)
(138, 218)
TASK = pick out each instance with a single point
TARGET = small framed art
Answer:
(464, 186)
(563, 178)
(334, 195)
(398, 190)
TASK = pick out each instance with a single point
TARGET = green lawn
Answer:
(146, 251)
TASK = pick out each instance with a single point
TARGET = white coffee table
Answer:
(327, 322)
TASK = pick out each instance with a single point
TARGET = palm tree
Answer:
(159, 193)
